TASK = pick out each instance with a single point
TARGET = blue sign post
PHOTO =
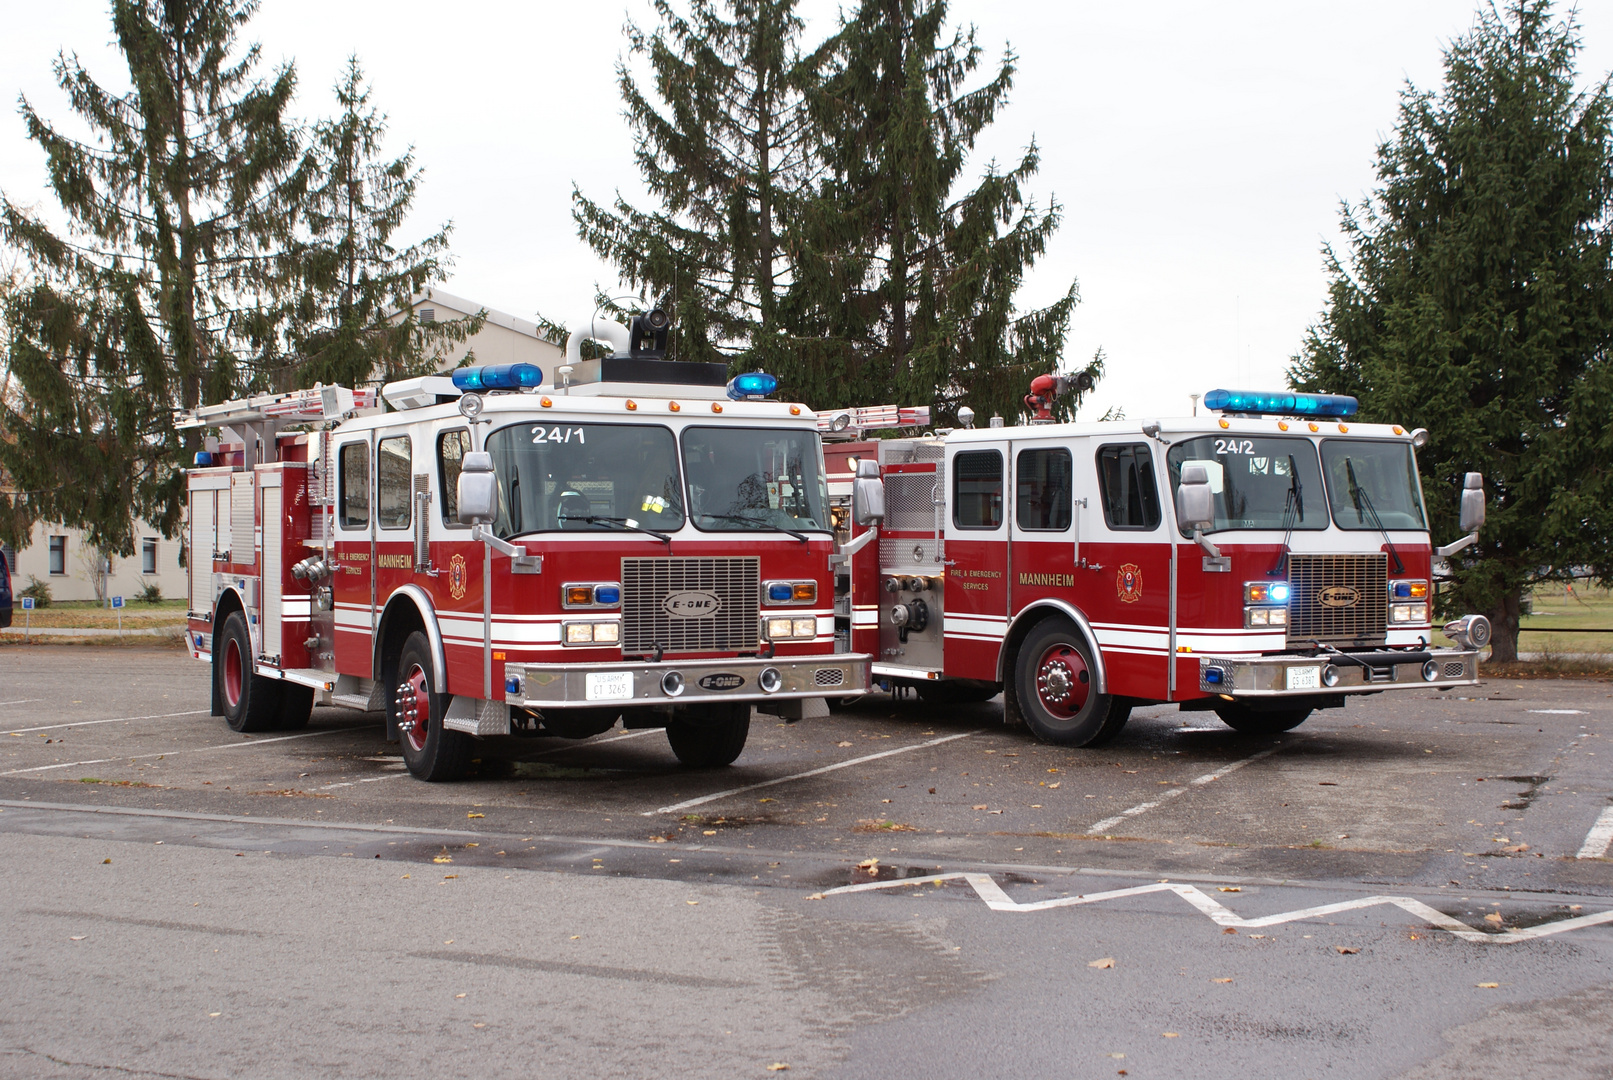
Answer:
(27, 616)
(117, 605)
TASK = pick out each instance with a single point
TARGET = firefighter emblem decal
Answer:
(456, 577)
(1129, 583)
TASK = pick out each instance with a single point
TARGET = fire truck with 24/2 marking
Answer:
(1292, 569)
(636, 539)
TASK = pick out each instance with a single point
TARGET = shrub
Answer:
(39, 590)
(151, 593)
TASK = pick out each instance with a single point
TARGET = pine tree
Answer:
(907, 284)
(353, 322)
(1476, 300)
(165, 291)
(723, 145)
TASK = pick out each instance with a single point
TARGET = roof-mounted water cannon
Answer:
(1045, 389)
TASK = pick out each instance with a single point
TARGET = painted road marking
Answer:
(1600, 836)
(22, 701)
(547, 753)
(803, 775)
(1559, 712)
(114, 720)
(1110, 822)
(185, 750)
(997, 900)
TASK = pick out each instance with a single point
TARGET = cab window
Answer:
(977, 489)
(1126, 481)
(452, 446)
(1042, 489)
(392, 491)
(354, 470)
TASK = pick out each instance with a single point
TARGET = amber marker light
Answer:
(674, 406)
(1225, 424)
(632, 406)
(1314, 427)
(1344, 429)
(716, 406)
(546, 402)
(1399, 430)
(579, 595)
(795, 410)
(804, 591)
(1282, 425)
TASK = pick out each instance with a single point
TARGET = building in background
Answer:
(503, 339)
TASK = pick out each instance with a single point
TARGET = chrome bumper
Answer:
(550, 686)
(1305, 676)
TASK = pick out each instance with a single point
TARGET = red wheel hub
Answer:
(234, 673)
(1062, 681)
(414, 708)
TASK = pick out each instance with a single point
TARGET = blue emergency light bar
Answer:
(752, 384)
(498, 377)
(1283, 404)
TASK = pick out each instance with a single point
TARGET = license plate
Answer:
(608, 685)
(1304, 678)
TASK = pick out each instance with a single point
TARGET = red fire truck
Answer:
(634, 539)
(1265, 561)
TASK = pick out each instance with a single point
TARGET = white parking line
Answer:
(114, 720)
(1600, 836)
(547, 753)
(998, 900)
(184, 750)
(1110, 822)
(22, 701)
(803, 775)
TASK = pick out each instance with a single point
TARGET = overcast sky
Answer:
(1199, 150)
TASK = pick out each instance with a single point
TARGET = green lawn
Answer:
(1575, 608)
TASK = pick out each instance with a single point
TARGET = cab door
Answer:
(353, 579)
(976, 531)
(1043, 529)
(1125, 571)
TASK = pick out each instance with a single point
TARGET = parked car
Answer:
(5, 591)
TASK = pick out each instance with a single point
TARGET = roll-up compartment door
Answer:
(199, 559)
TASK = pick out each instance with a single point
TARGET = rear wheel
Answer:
(429, 750)
(1249, 721)
(710, 735)
(251, 702)
(1055, 690)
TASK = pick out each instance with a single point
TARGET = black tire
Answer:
(296, 706)
(1247, 721)
(1054, 691)
(429, 750)
(710, 737)
(251, 702)
(957, 692)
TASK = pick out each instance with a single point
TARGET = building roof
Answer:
(438, 298)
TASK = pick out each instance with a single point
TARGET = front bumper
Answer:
(552, 686)
(1306, 676)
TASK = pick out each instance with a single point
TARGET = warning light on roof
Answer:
(498, 377)
(752, 384)
(1282, 403)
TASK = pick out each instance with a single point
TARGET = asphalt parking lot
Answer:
(895, 883)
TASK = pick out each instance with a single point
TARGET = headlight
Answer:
(1260, 617)
(1408, 613)
(589, 633)
(780, 629)
(805, 628)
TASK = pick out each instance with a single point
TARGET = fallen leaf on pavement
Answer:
(1346, 950)
(1230, 930)
(1054, 784)
(982, 806)
(1106, 962)
(708, 832)
(778, 1066)
(843, 742)
(81, 937)
(1515, 848)
(1488, 986)
(449, 877)
(475, 815)
(105, 861)
(932, 791)
(1220, 980)
(1228, 888)
(691, 903)
(1493, 917)
(1171, 1034)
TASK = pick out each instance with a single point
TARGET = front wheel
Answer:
(251, 702)
(711, 737)
(429, 750)
(1055, 690)
(1241, 718)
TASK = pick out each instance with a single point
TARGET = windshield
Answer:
(1258, 483)
(1363, 477)
(593, 477)
(745, 478)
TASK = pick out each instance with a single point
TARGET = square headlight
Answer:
(1259, 616)
(779, 629)
(607, 632)
(579, 633)
(805, 628)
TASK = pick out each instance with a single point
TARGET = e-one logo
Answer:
(692, 604)
(1339, 596)
(722, 681)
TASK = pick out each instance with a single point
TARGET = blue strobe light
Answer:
(1281, 403)
(752, 384)
(1278, 593)
(498, 377)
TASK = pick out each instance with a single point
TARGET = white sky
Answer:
(1199, 150)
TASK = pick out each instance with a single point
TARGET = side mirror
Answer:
(868, 495)
(1472, 502)
(1195, 502)
(478, 490)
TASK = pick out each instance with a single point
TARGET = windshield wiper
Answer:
(1293, 510)
(1359, 496)
(801, 536)
(624, 523)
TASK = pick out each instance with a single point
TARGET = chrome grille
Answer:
(1311, 576)
(828, 677)
(1455, 669)
(733, 627)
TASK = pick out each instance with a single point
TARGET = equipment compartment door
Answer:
(977, 559)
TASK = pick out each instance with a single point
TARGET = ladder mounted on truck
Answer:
(255, 421)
